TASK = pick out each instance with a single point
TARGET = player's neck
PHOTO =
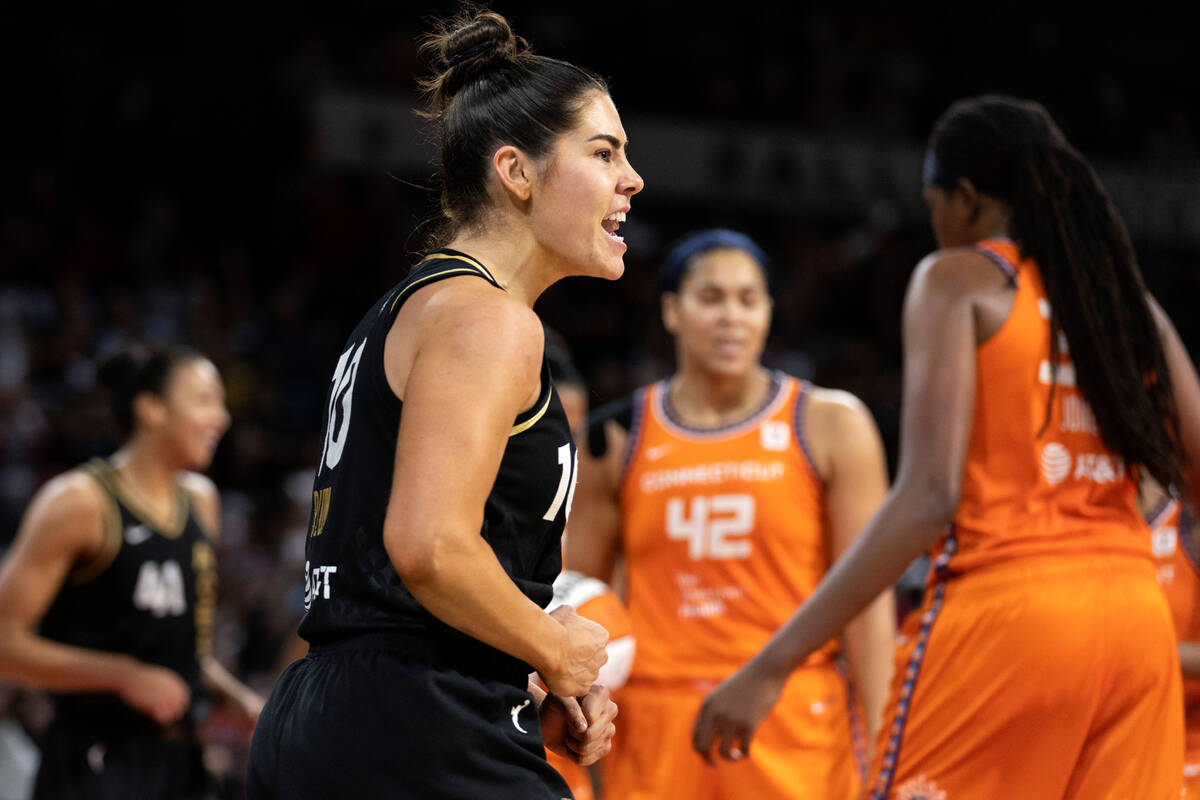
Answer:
(707, 400)
(515, 262)
(146, 476)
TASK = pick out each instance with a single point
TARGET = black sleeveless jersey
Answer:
(351, 587)
(149, 592)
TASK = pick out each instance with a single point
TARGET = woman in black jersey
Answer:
(448, 467)
(107, 596)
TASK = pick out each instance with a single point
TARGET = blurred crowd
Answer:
(168, 188)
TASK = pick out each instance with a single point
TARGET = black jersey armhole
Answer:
(620, 412)
(94, 566)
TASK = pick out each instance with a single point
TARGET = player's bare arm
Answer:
(940, 335)
(849, 453)
(206, 502)
(594, 542)
(475, 366)
(1186, 386)
(64, 527)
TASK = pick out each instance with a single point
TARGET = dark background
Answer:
(249, 183)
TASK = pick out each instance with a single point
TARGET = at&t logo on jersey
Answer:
(316, 583)
(1056, 463)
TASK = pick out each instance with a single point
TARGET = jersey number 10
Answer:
(713, 522)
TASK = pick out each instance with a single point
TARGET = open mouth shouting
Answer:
(611, 223)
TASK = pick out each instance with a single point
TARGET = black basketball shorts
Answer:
(356, 722)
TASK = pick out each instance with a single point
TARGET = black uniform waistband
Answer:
(469, 657)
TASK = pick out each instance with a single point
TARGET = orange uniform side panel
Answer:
(722, 535)
(1173, 542)
(1032, 487)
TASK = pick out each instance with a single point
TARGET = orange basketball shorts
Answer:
(811, 745)
(1036, 679)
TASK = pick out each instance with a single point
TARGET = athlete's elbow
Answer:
(414, 561)
(931, 500)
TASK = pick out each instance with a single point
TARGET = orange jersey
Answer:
(1031, 485)
(722, 534)
(1171, 540)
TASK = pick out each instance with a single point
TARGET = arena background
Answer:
(249, 183)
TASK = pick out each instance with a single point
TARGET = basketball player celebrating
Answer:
(448, 466)
(1040, 379)
(728, 490)
(107, 596)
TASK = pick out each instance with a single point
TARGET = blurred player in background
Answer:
(1176, 550)
(108, 594)
(728, 490)
(448, 468)
(592, 599)
(1039, 379)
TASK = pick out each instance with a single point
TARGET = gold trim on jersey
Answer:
(472, 267)
(529, 423)
(462, 257)
(110, 480)
(110, 543)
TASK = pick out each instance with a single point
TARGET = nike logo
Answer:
(137, 534)
(655, 453)
(95, 757)
(517, 710)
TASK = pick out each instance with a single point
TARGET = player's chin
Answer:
(200, 457)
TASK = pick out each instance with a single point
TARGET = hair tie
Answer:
(469, 53)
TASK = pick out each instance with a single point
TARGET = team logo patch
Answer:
(1163, 541)
(775, 435)
(920, 788)
(1056, 463)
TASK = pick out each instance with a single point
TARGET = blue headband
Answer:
(933, 173)
(676, 264)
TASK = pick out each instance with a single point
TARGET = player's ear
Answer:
(968, 198)
(515, 171)
(149, 410)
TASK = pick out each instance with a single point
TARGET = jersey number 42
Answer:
(712, 526)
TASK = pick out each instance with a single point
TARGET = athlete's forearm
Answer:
(904, 526)
(1189, 659)
(464, 586)
(870, 643)
(222, 681)
(36, 662)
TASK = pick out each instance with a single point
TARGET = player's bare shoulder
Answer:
(68, 510)
(833, 420)
(206, 500)
(463, 320)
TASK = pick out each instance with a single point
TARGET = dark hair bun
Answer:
(482, 41)
(119, 370)
(466, 48)
(136, 369)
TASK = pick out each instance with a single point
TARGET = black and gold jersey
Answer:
(150, 592)
(351, 587)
